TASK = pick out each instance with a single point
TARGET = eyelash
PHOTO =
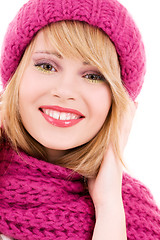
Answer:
(91, 77)
(40, 66)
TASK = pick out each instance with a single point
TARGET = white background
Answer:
(142, 155)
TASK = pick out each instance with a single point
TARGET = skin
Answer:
(38, 88)
(106, 190)
(67, 85)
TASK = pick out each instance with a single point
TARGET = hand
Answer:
(108, 181)
(106, 189)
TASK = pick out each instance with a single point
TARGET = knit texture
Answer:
(39, 200)
(108, 15)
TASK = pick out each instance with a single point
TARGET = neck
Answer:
(53, 155)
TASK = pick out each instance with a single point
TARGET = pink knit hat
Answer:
(109, 15)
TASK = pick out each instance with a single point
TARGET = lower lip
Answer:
(61, 123)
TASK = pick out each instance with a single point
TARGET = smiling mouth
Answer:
(60, 115)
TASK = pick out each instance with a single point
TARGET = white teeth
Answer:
(68, 116)
(47, 111)
(60, 115)
(55, 114)
(74, 116)
(51, 114)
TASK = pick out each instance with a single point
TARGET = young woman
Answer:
(71, 71)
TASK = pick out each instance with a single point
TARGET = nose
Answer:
(64, 88)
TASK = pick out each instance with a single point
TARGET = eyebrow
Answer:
(50, 53)
(58, 55)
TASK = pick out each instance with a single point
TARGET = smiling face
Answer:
(63, 101)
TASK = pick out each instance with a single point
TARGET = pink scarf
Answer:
(39, 200)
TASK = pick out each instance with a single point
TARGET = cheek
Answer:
(101, 102)
(27, 86)
(30, 87)
(27, 95)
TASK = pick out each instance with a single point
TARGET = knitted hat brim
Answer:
(108, 15)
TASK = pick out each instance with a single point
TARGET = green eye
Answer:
(45, 67)
(94, 78)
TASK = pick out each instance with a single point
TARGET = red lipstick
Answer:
(48, 112)
(60, 109)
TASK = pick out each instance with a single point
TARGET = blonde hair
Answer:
(93, 45)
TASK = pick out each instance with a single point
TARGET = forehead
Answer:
(41, 44)
(69, 40)
(45, 47)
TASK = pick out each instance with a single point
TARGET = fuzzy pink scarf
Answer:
(39, 200)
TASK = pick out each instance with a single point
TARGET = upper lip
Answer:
(61, 109)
